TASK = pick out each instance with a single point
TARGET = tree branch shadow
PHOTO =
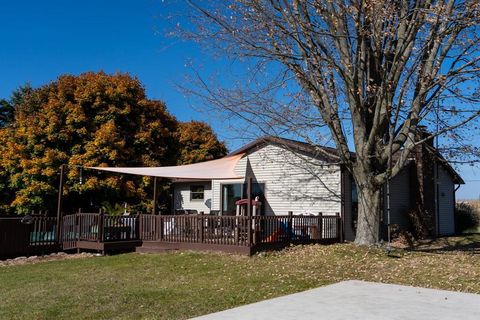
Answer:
(468, 243)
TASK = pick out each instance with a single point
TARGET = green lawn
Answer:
(182, 285)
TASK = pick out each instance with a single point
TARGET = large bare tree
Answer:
(367, 72)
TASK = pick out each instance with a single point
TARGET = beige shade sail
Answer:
(223, 168)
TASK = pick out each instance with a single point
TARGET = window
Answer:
(230, 194)
(236, 191)
(258, 190)
(197, 193)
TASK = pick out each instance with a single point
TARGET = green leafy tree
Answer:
(7, 107)
(6, 112)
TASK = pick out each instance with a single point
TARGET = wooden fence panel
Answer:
(14, 237)
(27, 235)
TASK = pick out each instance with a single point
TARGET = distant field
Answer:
(475, 203)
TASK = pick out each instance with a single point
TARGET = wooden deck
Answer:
(161, 246)
(122, 245)
(157, 233)
(99, 232)
(245, 235)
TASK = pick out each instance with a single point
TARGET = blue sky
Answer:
(42, 39)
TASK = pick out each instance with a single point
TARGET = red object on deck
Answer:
(245, 201)
(274, 237)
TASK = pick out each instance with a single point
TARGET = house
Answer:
(303, 194)
(294, 176)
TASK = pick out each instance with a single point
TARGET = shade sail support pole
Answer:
(60, 201)
(154, 211)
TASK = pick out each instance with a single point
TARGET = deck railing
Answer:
(43, 231)
(97, 227)
(37, 234)
(240, 231)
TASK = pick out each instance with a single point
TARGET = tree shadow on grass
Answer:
(468, 243)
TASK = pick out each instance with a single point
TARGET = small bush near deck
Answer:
(467, 217)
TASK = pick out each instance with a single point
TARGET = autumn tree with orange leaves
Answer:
(198, 143)
(93, 119)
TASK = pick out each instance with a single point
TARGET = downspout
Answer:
(435, 174)
(342, 200)
(388, 213)
(389, 239)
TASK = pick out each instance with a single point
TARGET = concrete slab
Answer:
(361, 300)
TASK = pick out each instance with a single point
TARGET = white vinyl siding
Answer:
(182, 196)
(446, 224)
(293, 182)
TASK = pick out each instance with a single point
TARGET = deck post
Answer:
(60, 202)
(320, 226)
(342, 227)
(249, 231)
(339, 227)
(237, 228)
(200, 226)
(249, 197)
(139, 226)
(154, 211)
(159, 225)
(249, 211)
(290, 226)
(100, 227)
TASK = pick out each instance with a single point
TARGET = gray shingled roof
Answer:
(328, 154)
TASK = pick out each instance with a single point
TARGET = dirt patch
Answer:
(50, 257)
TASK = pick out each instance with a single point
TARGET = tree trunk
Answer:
(369, 213)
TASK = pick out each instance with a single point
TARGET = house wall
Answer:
(181, 196)
(347, 207)
(446, 203)
(293, 182)
(302, 184)
(400, 200)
